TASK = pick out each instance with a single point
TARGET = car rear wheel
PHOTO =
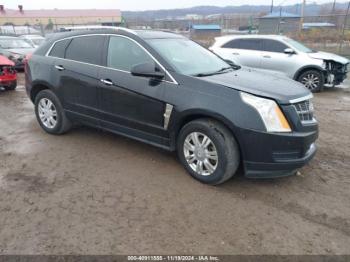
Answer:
(50, 114)
(312, 80)
(208, 151)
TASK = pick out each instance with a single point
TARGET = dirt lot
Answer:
(90, 192)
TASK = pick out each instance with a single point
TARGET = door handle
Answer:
(59, 67)
(235, 53)
(107, 82)
(267, 56)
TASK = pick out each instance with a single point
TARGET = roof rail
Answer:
(96, 27)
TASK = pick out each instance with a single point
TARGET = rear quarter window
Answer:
(58, 50)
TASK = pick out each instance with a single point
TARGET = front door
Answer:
(275, 59)
(129, 104)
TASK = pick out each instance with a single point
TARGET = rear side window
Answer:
(233, 44)
(87, 49)
(251, 44)
(59, 48)
(273, 46)
(124, 53)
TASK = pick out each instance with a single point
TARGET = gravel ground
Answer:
(91, 192)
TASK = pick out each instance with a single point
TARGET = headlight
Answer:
(269, 111)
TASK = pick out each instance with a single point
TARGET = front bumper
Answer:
(268, 155)
(337, 74)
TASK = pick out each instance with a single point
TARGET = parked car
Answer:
(8, 75)
(282, 54)
(15, 49)
(165, 90)
(34, 40)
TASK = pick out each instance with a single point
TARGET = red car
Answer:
(8, 75)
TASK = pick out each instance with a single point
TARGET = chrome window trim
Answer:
(97, 27)
(297, 100)
(173, 81)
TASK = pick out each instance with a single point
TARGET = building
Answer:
(307, 26)
(278, 23)
(59, 16)
(205, 30)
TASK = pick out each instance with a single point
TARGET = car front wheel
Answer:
(312, 80)
(208, 151)
(50, 114)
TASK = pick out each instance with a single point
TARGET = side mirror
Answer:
(147, 70)
(289, 51)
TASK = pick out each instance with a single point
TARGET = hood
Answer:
(329, 56)
(21, 51)
(4, 61)
(261, 83)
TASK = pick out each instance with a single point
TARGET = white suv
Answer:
(282, 54)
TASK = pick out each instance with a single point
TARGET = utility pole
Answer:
(333, 8)
(279, 21)
(302, 15)
(344, 27)
(271, 6)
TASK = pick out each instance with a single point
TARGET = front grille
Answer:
(305, 110)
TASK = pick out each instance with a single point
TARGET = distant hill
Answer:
(311, 9)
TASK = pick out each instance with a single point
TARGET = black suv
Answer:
(166, 90)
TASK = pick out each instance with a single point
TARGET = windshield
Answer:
(187, 57)
(37, 41)
(298, 46)
(14, 44)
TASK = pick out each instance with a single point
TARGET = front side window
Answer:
(187, 57)
(86, 49)
(274, 46)
(124, 53)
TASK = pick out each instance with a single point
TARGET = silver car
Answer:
(285, 55)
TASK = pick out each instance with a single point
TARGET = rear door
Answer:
(130, 104)
(244, 51)
(76, 75)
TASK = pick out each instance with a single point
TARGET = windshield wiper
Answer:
(220, 71)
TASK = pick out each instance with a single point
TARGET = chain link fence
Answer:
(329, 33)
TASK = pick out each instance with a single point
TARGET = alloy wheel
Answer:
(47, 113)
(200, 153)
(311, 81)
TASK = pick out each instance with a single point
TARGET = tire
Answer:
(11, 87)
(221, 141)
(312, 80)
(61, 123)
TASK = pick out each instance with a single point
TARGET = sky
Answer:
(136, 5)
